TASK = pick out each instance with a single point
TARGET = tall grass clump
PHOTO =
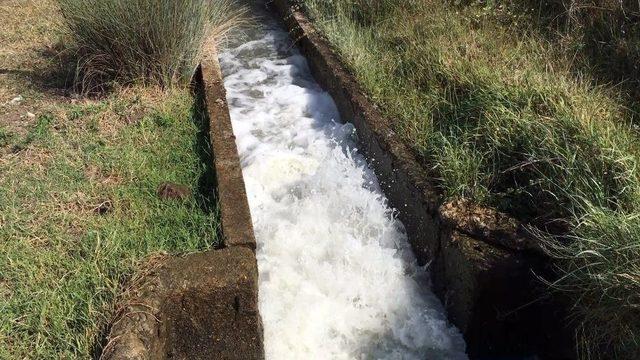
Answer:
(506, 117)
(601, 271)
(150, 41)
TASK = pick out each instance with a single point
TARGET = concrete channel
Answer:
(337, 276)
(455, 280)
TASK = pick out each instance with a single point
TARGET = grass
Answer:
(603, 33)
(79, 213)
(493, 103)
(143, 40)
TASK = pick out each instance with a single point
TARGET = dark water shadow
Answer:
(101, 343)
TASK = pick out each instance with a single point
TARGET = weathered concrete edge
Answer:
(235, 216)
(201, 305)
(459, 239)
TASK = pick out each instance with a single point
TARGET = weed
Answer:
(5, 137)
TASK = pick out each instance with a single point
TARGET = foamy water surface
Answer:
(337, 278)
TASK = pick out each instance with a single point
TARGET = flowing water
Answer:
(337, 278)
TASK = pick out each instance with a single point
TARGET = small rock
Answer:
(103, 208)
(31, 115)
(16, 100)
(173, 191)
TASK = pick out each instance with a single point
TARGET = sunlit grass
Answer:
(64, 260)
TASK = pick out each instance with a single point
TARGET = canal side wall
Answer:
(483, 263)
(205, 305)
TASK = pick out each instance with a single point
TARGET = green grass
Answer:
(63, 263)
(604, 34)
(5, 137)
(503, 115)
(143, 40)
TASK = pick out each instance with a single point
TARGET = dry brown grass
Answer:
(29, 38)
(27, 56)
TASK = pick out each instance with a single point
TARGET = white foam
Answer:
(337, 279)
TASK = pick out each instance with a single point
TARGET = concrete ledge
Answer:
(235, 216)
(200, 306)
(482, 261)
(213, 304)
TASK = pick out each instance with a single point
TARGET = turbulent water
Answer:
(337, 279)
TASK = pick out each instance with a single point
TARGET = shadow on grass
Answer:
(101, 343)
(55, 75)
(206, 195)
(603, 41)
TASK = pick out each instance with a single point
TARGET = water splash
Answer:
(337, 278)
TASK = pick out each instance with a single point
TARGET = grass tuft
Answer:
(147, 41)
(601, 271)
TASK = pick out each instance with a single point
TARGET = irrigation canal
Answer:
(337, 277)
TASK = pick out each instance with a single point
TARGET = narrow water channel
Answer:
(337, 277)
